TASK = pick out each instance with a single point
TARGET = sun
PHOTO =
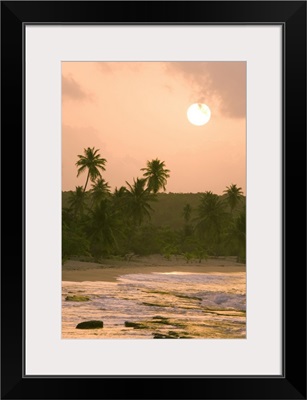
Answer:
(199, 114)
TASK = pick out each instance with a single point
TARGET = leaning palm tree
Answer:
(100, 190)
(156, 175)
(138, 199)
(234, 196)
(92, 162)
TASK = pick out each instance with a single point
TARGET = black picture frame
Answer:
(14, 16)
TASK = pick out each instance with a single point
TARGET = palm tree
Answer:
(237, 236)
(120, 193)
(234, 196)
(187, 210)
(156, 175)
(211, 218)
(138, 198)
(92, 162)
(77, 201)
(119, 201)
(74, 242)
(102, 227)
(100, 190)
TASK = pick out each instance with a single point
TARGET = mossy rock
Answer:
(173, 334)
(159, 336)
(77, 298)
(90, 325)
(169, 335)
(135, 325)
(163, 336)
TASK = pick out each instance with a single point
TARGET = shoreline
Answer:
(109, 270)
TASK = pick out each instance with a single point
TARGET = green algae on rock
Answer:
(77, 298)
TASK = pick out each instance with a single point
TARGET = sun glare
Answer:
(199, 114)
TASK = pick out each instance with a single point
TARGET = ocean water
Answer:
(157, 305)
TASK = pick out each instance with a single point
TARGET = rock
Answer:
(161, 336)
(169, 335)
(135, 325)
(90, 325)
(77, 298)
(173, 334)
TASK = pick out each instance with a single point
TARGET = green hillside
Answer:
(168, 210)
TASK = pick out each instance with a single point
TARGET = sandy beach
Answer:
(110, 270)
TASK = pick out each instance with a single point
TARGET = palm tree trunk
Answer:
(88, 175)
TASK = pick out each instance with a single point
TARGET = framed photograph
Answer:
(147, 248)
(159, 153)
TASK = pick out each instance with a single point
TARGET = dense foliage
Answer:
(137, 219)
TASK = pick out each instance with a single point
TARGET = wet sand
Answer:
(110, 270)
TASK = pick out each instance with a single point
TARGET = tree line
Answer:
(99, 223)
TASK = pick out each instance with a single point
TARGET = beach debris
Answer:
(90, 325)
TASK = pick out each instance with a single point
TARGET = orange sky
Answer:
(134, 112)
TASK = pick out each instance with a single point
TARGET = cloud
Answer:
(71, 89)
(225, 81)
